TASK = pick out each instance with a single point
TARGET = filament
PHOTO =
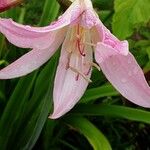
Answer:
(80, 73)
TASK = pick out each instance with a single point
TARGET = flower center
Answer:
(80, 48)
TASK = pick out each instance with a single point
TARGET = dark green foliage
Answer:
(102, 119)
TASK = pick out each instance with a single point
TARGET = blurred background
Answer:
(103, 119)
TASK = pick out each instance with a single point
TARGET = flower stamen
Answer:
(90, 44)
(88, 72)
(95, 65)
(92, 64)
(80, 73)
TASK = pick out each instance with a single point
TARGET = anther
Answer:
(92, 64)
(80, 73)
(95, 65)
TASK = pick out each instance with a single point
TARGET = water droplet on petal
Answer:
(27, 26)
(129, 73)
(15, 70)
(113, 63)
(144, 86)
(135, 70)
(123, 80)
(129, 61)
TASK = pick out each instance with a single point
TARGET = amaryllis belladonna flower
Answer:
(82, 35)
(5, 4)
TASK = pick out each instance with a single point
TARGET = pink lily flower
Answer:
(82, 35)
(6, 4)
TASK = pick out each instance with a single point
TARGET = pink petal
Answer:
(89, 19)
(97, 34)
(79, 8)
(26, 36)
(102, 34)
(124, 73)
(38, 37)
(5, 4)
(82, 12)
(32, 60)
(113, 42)
(68, 86)
(67, 90)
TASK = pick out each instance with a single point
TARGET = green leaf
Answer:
(22, 15)
(40, 106)
(93, 135)
(13, 113)
(27, 109)
(129, 14)
(64, 3)
(48, 132)
(148, 52)
(113, 111)
(2, 41)
(147, 67)
(95, 93)
(103, 4)
(50, 11)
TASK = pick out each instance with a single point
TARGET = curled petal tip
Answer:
(103, 50)
(54, 116)
(124, 74)
(123, 47)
